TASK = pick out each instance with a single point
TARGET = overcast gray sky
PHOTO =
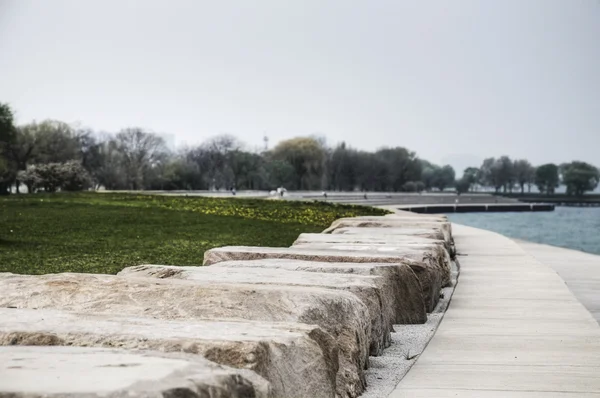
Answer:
(455, 81)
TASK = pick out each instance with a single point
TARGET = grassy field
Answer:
(102, 233)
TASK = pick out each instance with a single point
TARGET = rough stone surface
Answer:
(80, 372)
(428, 253)
(392, 222)
(364, 287)
(435, 234)
(411, 215)
(277, 351)
(405, 216)
(367, 238)
(340, 313)
(396, 280)
(427, 271)
(374, 232)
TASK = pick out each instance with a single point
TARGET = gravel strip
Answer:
(408, 342)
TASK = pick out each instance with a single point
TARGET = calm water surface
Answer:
(571, 227)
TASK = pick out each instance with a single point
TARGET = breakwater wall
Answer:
(269, 322)
(478, 208)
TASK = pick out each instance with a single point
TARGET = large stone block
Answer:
(436, 234)
(80, 372)
(397, 281)
(367, 238)
(392, 222)
(419, 232)
(364, 287)
(426, 271)
(278, 352)
(412, 215)
(430, 253)
(340, 313)
(406, 216)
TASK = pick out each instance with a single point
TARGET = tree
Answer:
(51, 176)
(471, 176)
(444, 177)
(428, 174)
(55, 141)
(30, 178)
(7, 137)
(546, 178)
(580, 177)
(245, 169)
(402, 166)
(506, 174)
(280, 173)
(75, 177)
(372, 172)
(343, 169)
(306, 156)
(463, 185)
(140, 150)
(491, 175)
(524, 173)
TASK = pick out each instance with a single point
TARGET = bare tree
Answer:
(140, 150)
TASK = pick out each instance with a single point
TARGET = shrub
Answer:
(69, 176)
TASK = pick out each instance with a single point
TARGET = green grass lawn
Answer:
(103, 233)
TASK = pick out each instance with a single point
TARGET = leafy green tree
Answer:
(7, 136)
(402, 166)
(444, 177)
(471, 176)
(307, 157)
(463, 185)
(246, 169)
(55, 142)
(524, 173)
(372, 172)
(580, 177)
(506, 173)
(428, 174)
(343, 169)
(546, 178)
(491, 175)
(280, 173)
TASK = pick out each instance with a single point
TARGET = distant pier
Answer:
(477, 208)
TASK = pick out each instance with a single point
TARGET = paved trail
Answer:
(513, 329)
(580, 271)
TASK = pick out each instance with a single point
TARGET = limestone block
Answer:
(276, 351)
(367, 238)
(419, 232)
(392, 232)
(339, 313)
(392, 222)
(429, 253)
(65, 372)
(364, 287)
(397, 281)
(426, 271)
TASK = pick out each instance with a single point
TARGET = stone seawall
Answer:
(254, 322)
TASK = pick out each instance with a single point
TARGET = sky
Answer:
(455, 81)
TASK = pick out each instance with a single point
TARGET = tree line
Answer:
(504, 175)
(51, 155)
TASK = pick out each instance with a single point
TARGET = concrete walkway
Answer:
(580, 271)
(513, 329)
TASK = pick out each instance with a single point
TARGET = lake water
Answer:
(571, 227)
